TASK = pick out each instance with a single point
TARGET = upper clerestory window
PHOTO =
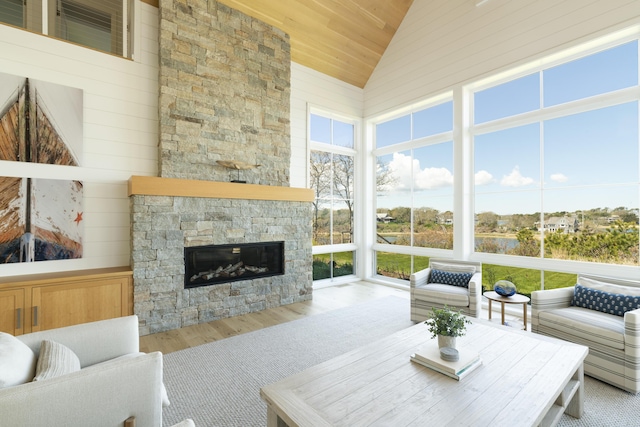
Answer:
(103, 25)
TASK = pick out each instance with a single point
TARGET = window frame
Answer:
(464, 185)
(338, 150)
(539, 116)
(44, 18)
(410, 145)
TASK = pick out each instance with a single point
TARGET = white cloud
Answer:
(559, 177)
(515, 179)
(483, 177)
(400, 168)
(431, 178)
(425, 179)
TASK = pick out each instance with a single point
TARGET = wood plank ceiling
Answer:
(344, 39)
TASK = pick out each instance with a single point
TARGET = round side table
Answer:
(513, 299)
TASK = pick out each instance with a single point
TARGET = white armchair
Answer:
(115, 382)
(613, 339)
(427, 292)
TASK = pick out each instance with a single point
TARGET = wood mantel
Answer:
(157, 186)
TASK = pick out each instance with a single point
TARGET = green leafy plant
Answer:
(445, 321)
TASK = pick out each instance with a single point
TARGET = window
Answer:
(12, 12)
(331, 265)
(414, 185)
(526, 280)
(91, 23)
(551, 155)
(556, 157)
(332, 178)
(102, 25)
(399, 266)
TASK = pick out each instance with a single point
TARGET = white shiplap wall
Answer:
(121, 128)
(309, 87)
(120, 131)
(443, 43)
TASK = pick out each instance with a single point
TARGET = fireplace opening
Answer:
(214, 264)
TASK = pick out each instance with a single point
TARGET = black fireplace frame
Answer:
(233, 252)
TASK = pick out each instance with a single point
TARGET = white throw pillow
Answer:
(55, 359)
(453, 268)
(17, 361)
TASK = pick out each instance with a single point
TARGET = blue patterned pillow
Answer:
(605, 302)
(449, 278)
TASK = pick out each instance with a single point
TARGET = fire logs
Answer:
(232, 270)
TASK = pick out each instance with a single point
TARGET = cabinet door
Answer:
(12, 311)
(78, 302)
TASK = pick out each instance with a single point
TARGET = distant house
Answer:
(384, 217)
(445, 219)
(565, 223)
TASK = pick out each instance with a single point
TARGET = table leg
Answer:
(272, 417)
(575, 408)
(524, 314)
(502, 311)
(489, 309)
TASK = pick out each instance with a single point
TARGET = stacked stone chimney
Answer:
(224, 95)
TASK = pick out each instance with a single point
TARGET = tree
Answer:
(487, 221)
(385, 179)
(332, 178)
(320, 175)
(619, 244)
(629, 216)
(528, 245)
(425, 216)
(520, 221)
(343, 175)
(401, 214)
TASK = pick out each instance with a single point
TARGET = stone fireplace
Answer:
(224, 95)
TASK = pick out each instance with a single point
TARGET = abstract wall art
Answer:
(40, 122)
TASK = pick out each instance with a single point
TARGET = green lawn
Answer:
(342, 265)
(399, 266)
(526, 280)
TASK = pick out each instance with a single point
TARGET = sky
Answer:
(582, 161)
(576, 162)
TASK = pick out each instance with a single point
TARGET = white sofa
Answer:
(427, 293)
(115, 382)
(613, 340)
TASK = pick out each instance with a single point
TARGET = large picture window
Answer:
(332, 178)
(414, 186)
(550, 155)
(556, 156)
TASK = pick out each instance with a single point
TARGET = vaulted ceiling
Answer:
(344, 39)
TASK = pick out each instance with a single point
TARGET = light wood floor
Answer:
(325, 299)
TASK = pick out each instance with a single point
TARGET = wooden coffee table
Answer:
(513, 299)
(525, 380)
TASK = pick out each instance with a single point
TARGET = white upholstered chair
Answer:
(443, 288)
(590, 314)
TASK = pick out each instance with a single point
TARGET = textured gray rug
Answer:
(605, 405)
(217, 384)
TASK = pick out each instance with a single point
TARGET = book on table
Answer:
(429, 356)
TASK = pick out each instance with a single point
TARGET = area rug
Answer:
(605, 405)
(218, 384)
